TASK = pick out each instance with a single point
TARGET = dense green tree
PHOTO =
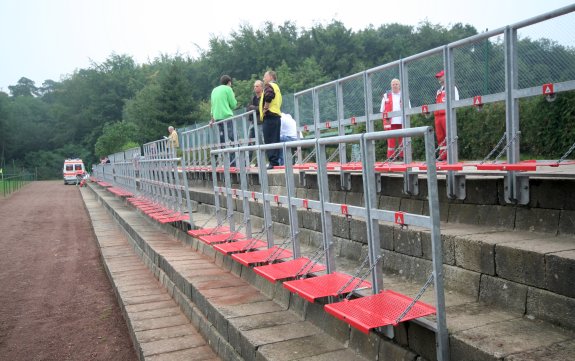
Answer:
(115, 137)
(24, 88)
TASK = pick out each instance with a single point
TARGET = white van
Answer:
(72, 169)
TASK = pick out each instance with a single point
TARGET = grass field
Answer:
(11, 184)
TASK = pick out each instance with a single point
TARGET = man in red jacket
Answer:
(440, 126)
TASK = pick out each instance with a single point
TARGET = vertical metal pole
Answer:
(228, 187)
(265, 202)
(185, 186)
(442, 336)
(244, 187)
(298, 123)
(516, 188)
(410, 179)
(370, 199)
(368, 91)
(178, 188)
(405, 119)
(455, 183)
(215, 185)
(344, 177)
(326, 222)
(292, 207)
(207, 145)
(369, 127)
(316, 120)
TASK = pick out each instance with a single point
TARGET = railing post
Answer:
(442, 336)
(345, 177)
(516, 187)
(455, 182)
(326, 221)
(292, 208)
(410, 179)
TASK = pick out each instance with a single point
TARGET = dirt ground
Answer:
(56, 302)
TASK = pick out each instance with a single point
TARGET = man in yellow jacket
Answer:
(270, 113)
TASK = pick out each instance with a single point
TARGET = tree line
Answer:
(119, 104)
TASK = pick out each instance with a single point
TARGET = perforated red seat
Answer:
(260, 257)
(175, 218)
(445, 166)
(164, 215)
(442, 166)
(288, 269)
(120, 192)
(390, 168)
(378, 310)
(158, 211)
(520, 167)
(221, 237)
(305, 166)
(231, 169)
(324, 286)
(239, 246)
(352, 166)
(205, 231)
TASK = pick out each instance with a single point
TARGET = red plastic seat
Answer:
(288, 269)
(305, 166)
(324, 286)
(231, 169)
(524, 166)
(555, 163)
(377, 310)
(221, 237)
(175, 218)
(119, 192)
(390, 168)
(257, 257)
(247, 245)
(205, 231)
(352, 166)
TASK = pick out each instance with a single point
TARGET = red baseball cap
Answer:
(440, 74)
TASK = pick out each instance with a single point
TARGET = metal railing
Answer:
(12, 183)
(370, 212)
(486, 68)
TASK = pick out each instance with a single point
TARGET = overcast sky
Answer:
(48, 39)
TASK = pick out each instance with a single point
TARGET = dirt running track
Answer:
(56, 302)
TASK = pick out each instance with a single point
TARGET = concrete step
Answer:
(477, 331)
(157, 326)
(239, 321)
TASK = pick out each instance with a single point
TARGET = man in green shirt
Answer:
(223, 101)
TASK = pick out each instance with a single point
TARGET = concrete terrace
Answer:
(507, 273)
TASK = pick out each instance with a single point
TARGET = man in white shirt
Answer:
(391, 102)
(288, 132)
